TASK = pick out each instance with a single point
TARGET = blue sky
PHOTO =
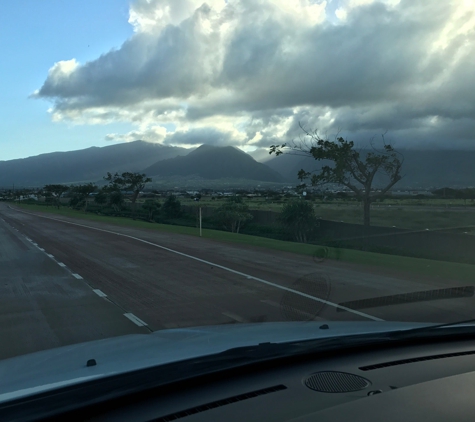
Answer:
(246, 73)
(33, 36)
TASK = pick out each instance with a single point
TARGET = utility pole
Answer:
(201, 232)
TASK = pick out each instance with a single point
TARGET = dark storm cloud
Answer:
(405, 67)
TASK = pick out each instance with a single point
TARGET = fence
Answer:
(435, 244)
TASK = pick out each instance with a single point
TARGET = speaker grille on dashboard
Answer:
(336, 382)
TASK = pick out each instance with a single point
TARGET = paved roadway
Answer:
(69, 281)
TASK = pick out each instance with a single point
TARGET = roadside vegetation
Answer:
(415, 266)
(320, 218)
(416, 212)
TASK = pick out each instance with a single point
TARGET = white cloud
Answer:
(63, 69)
(154, 15)
(155, 134)
(247, 71)
(341, 14)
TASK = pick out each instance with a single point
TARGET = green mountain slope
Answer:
(210, 162)
(89, 164)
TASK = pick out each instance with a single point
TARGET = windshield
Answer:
(179, 163)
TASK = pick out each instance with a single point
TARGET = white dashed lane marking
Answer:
(135, 320)
(99, 293)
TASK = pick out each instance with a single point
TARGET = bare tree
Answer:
(352, 168)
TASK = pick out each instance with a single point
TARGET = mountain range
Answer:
(211, 162)
(421, 168)
(85, 165)
(92, 164)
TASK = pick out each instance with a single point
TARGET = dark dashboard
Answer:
(431, 382)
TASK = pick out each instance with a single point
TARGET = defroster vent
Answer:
(219, 403)
(416, 359)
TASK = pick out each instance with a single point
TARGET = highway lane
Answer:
(167, 289)
(42, 305)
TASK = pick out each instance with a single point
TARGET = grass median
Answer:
(426, 267)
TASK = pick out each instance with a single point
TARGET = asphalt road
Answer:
(69, 281)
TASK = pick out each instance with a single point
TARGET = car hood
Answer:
(46, 370)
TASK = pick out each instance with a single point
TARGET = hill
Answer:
(84, 165)
(421, 168)
(210, 162)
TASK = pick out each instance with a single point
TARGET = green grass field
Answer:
(406, 214)
(416, 266)
(262, 202)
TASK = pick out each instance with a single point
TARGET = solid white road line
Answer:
(248, 276)
(99, 293)
(77, 276)
(135, 320)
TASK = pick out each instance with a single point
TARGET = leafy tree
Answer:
(467, 193)
(22, 194)
(101, 197)
(116, 200)
(151, 206)
(446, 193)
(53, 193)
(298, 218)
(80, 193)
(233, 214)
(449, 193)
(171, 208)
(134, 182)
(350, 168)
(236, 199)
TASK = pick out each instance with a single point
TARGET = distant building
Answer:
(411, 193)
(27, 197)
